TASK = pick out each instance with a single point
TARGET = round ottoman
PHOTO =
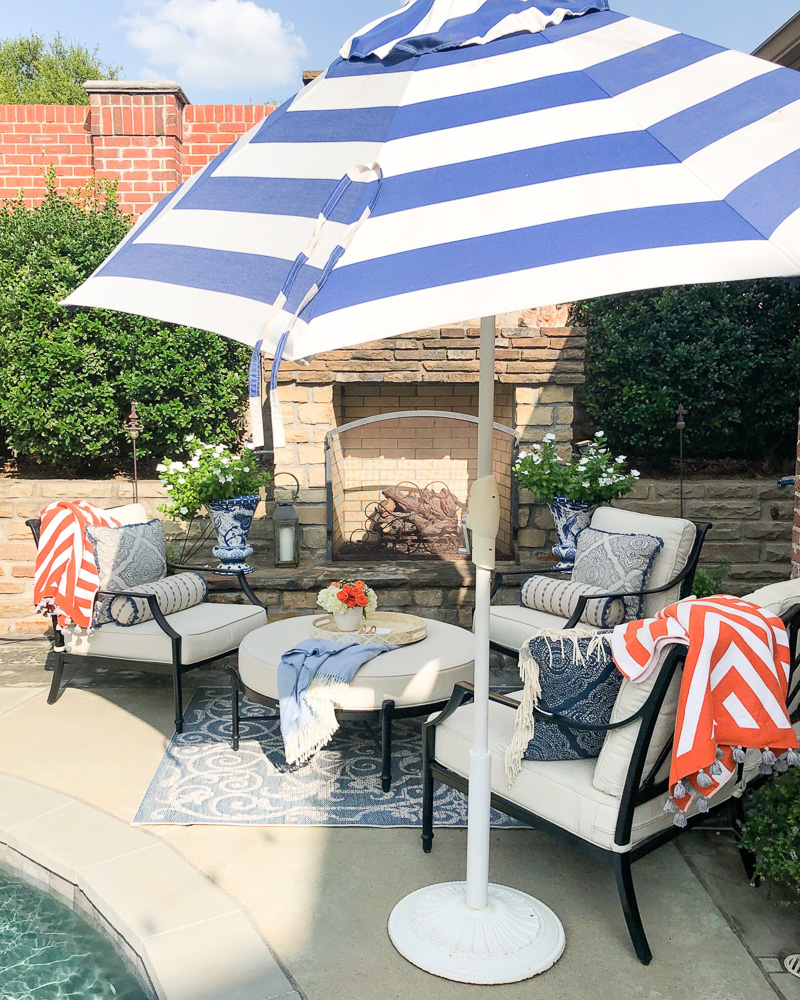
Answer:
(407, 681)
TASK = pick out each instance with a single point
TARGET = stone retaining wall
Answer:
(752, 529)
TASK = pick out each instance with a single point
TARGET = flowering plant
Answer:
(595, 475)
(340, 596)
(211, 473)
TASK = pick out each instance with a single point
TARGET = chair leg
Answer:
(630, 908)
(387, 710)
(234, 710)
(177, 689)
(427, 799)
(55, 683)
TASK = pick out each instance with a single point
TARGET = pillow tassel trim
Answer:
(530, 674)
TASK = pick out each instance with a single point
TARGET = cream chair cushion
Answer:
(678, 536)
(510, 626)
(561, 792)
(779, 598)
(207, 630)
(611, 767)
(129, 513)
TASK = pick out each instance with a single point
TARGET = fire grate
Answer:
(414, 521)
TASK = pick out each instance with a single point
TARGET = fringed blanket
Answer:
(311, 678)
(733, 690)
(65, 579)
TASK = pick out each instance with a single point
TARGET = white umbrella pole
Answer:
(480, 761)
(473, 931)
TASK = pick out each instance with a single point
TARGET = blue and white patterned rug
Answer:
(202, 780)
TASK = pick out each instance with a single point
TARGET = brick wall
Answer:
(147, 136)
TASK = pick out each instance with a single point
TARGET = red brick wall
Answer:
(148, 140)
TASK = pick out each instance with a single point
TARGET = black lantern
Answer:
(134, 427)
(286, 527)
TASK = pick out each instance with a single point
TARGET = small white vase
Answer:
(349, 620)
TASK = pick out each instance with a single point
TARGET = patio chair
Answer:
(670, 579)
(611, 806)
(167, 644)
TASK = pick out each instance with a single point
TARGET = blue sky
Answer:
(236, 51)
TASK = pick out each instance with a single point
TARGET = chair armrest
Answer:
(152, 603)
(501, 578)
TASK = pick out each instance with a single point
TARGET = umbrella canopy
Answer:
(468, 157)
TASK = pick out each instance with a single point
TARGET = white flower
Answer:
(621, 458)
(219, 449)
(586, 486)
(194, 464)
(221, 478)
(225, 460)
(229, 479)
(599, 434)
(178, 467)
(161, 468)
(168, 487)
(190, 437)
(536, 459)
(635, 473)
(181, 481)
(549, 437)
(184, 510)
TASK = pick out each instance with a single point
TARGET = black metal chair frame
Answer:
(685, 578)
(384, 715)
(176, 668)
(638, 788)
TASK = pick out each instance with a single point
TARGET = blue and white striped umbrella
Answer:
(470, 157)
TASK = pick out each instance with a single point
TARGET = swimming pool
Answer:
(47, 950)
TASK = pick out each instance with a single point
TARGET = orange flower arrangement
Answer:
(340, 595)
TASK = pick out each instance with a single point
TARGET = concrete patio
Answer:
(321, 896)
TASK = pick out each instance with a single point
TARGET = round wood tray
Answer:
(391, 627)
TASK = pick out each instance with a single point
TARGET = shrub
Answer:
(728, 352)
(708, 582)
(67, 379)
(772, 828)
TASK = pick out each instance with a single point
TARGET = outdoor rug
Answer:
(202, 780)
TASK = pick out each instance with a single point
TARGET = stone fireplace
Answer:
(424, 389)
(397, 485)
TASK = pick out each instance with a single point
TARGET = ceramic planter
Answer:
(232, 520)
(349, 620)
(570, 518)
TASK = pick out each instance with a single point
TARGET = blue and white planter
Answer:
(232, 520)
(570, 518)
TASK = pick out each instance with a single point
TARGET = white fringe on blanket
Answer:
(529, 672)
(321, 697)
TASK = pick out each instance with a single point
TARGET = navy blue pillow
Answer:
(581, 684)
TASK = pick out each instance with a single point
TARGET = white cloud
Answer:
(225, 44)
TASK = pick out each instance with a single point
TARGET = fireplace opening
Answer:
(398, 483)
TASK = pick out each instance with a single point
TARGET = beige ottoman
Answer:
(407, 681)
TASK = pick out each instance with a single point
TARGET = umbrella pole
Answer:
(473, 931)
(480, 761)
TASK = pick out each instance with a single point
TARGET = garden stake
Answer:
(681, 414)
(134, 427)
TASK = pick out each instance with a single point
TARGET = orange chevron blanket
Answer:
(65, 579)
(733, 689)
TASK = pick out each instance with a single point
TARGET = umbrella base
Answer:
(514, 938)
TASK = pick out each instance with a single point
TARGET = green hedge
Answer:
(728, 352)
(67, 379)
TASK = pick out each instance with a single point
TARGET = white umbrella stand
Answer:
(474, 931)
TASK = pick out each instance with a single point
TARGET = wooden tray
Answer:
(392, 627)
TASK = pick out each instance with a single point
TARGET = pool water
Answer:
(51, 953)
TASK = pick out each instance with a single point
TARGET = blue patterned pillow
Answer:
(616, 562)
(578, 679)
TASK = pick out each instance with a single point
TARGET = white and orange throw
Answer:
(65, 580)
(733, 690)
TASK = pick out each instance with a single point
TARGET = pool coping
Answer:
(185, 937)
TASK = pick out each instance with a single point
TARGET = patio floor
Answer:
(321, 896)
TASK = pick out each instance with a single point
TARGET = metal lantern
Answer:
(134, 427)
(286, 527)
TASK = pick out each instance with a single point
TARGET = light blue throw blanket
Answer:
(311, 678)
